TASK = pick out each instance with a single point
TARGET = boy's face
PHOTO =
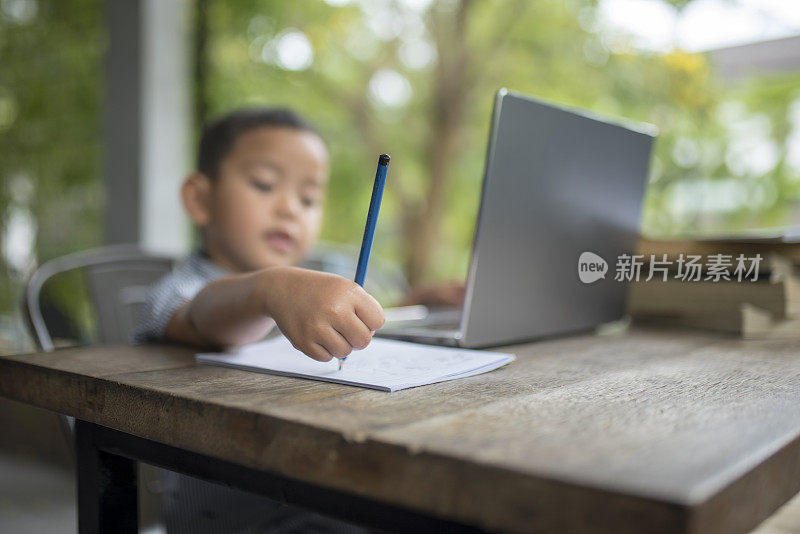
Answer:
(265, 204)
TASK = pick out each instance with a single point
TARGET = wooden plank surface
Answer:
(645, 430)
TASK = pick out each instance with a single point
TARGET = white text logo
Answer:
(591, 267)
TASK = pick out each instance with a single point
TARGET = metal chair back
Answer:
(117, 277)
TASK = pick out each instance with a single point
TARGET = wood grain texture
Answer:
(658, 431)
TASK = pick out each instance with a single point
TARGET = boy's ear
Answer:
(196, 197)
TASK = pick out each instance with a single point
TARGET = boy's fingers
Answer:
(317, 352)
(335, 343)
(370, 312)
(355, 332)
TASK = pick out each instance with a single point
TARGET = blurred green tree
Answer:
(415, 79)
(51, 86)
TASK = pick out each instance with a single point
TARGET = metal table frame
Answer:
(108, 497)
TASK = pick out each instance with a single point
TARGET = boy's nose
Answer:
(288, 205)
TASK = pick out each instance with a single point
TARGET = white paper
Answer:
(385, 364)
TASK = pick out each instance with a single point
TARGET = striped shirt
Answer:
(170, 292)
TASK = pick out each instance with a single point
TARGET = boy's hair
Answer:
(220, 134)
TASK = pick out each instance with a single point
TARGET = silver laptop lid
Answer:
(557, 182)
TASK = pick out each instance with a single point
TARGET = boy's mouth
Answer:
(280, 241)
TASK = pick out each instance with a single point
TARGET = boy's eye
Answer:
(262, 186)
(309, 202)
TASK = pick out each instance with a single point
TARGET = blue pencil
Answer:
(372, 222)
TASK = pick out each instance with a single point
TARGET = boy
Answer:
(257, 198)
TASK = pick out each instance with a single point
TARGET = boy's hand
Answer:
(444, 294)
(322, 314)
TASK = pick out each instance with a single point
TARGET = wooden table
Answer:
(644, 431)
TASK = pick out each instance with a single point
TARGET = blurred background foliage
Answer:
(51, 190)
(414, 79)
(417, 81)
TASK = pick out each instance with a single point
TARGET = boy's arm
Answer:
(322, 314)
(225, 313)
(443, 294)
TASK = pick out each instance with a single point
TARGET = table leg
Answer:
(107, 487)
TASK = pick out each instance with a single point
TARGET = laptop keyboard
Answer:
(438, 318)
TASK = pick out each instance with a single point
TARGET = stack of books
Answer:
(747, 285)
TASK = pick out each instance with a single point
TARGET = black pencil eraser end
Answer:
(383, 159)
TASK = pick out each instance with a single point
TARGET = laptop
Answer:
(558, 182)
